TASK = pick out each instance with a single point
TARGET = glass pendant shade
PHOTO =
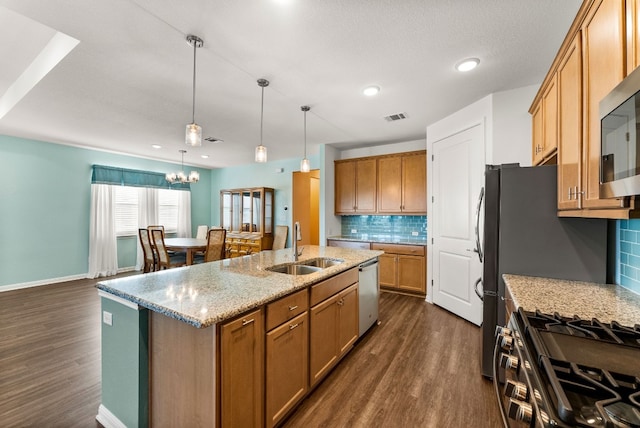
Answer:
(305, 165)
(193, 135)
(261, 154)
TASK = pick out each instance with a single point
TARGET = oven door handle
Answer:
(496, 382)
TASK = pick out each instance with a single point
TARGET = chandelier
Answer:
(181, 177)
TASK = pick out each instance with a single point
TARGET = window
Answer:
(126, 210)
(126, 207)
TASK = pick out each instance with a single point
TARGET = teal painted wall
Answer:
(125, 364)
(259, 175)
(45, 202)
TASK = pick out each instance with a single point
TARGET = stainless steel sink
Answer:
(322, 262)
(294, 269)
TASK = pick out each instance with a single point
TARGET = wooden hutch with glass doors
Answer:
(247, 215)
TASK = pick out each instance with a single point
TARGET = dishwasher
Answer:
(368, 294)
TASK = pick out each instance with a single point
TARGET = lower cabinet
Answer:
(402, 267)
(334, 329)
(242, 371)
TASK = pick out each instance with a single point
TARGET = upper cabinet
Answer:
(355, 189)
(601, 47)
(390, 184)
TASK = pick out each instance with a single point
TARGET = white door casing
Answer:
(458, 176)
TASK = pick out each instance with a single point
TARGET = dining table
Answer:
(190, 246)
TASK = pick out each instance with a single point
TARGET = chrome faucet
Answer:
(296, 237)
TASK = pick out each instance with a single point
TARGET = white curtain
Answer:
(184, 214)
(103, 248)
(147, 216)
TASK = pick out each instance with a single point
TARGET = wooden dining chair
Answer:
(165, 260)
(280, 237)
(147, 251)
(216, 248)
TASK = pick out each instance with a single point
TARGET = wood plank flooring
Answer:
(419, 368)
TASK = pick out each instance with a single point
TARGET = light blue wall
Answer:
(44, 208)
(259, 175)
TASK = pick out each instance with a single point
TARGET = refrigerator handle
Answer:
(475, 288)
(478, 248)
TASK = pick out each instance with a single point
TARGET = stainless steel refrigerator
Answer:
(523, 235)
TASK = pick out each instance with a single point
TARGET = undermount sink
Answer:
(294, 269)
(322, 263)
(307, 267)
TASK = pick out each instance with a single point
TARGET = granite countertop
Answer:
(382, 238)
(207, 293)
(606, 302)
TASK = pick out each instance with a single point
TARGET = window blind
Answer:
(131, 177)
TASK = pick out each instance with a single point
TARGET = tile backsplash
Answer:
(389, 227)
(628, 254)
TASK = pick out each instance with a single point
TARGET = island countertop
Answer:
(606, 302)
(207, 293)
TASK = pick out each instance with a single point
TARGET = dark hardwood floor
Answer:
(419, 368)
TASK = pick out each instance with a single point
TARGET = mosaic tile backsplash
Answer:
(390, 227)
(628, 254)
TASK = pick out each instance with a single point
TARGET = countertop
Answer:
(384, 239)
(606, 302)
(207, 293)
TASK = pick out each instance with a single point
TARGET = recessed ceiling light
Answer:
(156, 146)
(371, 90)
(467, 64)
(204, 156)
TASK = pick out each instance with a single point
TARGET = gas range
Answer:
(556, 371)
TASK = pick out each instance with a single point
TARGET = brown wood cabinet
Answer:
(402, 184)
(545, 126)
(247, 215)
(355, 186)
(601, 48)
(333, 323)
(241, 371)
(402, 267)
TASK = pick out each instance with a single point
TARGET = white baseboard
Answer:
(108, 419)
(48, 281)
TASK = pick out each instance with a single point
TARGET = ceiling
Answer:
(127, 84)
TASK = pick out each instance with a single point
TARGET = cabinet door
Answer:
(390, 184)
(633, 35)
(348, 319)
(550, 119)
(287, 367)
(345, 187)
(242, 371)
(570, 126)
(411, 273)
(414, 184)
(537, 143)
(323, 341)
(366, 186)
(603, 68)
(387, 270)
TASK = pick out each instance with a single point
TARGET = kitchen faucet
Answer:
(296, 237)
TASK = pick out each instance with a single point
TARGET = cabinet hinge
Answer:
(432, 158)
(432, 199)
(431, 241)
(432, 282)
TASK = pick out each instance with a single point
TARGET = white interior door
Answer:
(458, 176)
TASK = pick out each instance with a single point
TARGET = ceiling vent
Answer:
(214, 140)
(394, 117)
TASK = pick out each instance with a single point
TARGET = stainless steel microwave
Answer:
(620, 139)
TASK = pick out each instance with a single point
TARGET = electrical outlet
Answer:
(354, 230)
(107, 318)
(414, 233)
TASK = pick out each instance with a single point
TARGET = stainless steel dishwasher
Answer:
(368, 294)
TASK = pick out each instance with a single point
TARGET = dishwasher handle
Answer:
(370, 264)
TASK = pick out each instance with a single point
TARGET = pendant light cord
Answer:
(193, 104)
(305, 134)
(261, 114)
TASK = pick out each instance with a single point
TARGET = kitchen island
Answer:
(606, 302)
(200, 345)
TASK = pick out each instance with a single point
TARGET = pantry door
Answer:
(458, 177)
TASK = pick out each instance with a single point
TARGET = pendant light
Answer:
(181, 177)
(193, 133)
(305, 166)
(261, 151)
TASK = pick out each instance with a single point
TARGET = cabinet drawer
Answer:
(348, 244)
(286, 308)
(409, 250)
(331, 286)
